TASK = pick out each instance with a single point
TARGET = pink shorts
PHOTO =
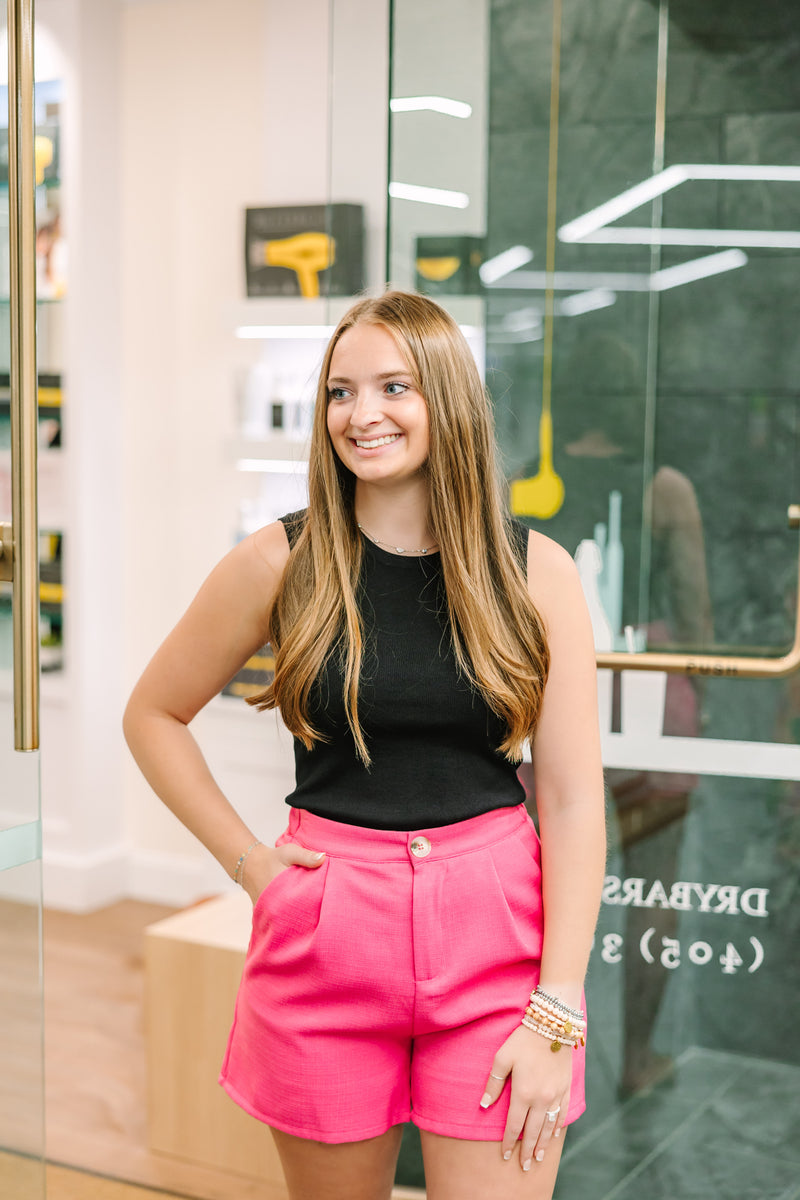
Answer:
(379, 986)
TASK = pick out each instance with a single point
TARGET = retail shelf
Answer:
(47, 184)
(276, 312)
(281, 449)
(50, 393)
(43, 301)
(288, 313)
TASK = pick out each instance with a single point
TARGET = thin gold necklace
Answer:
(396, 549)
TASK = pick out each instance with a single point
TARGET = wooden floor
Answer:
(95, 1065)
(95, 1058)
(25, 1179)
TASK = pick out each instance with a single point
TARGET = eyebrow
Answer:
(332, 379)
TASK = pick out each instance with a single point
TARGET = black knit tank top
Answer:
(432, 738)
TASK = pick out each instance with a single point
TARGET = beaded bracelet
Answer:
(559, 1003)
(556, 1020)
(571, 1030)
(556, 1040)
(565, 1026)
(573, 1012)
(550, 1017)
(237, 877)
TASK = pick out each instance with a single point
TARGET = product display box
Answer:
(448, 265)
(193, 962)
(309, 250)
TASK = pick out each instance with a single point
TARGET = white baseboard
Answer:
(174, 879)
(85, 882)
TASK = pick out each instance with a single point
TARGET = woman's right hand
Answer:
(264, 863)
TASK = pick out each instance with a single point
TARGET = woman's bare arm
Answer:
(568, 773)
(224, 625)
(570, 801)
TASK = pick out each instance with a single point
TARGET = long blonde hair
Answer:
(498, 636)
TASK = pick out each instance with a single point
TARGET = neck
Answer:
(396, 516)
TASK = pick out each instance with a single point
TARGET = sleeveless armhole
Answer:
(293, 524)
(519, 543)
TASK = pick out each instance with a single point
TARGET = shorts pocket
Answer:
(288, 909)
(529, 838)
(266, 894)
(516, 866)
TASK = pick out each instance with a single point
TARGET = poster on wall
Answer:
(305, 250)
(448, 265)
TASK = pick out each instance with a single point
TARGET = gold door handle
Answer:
(733, 666)
(24, 399)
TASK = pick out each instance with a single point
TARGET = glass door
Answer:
(614, 196)
(21, 1018)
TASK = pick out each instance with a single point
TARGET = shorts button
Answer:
(420, 847)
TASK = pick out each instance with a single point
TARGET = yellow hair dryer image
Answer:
(438, 269)
(306, 254)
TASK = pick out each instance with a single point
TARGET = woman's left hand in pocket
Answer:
(265, 863)
(540, 1086)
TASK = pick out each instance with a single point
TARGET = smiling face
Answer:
(377, 419)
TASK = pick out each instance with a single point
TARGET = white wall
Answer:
(81, 742)
(184, 114)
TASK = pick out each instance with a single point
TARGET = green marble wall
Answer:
(723, 351)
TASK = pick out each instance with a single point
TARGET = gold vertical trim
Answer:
(552, 194)
(24, 400)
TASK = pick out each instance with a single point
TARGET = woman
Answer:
(415, 955)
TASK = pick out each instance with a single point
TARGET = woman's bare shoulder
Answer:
(226, 623)
(271, 544)
(247, 579)
(551, 569)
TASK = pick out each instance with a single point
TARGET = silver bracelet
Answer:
(238, 870)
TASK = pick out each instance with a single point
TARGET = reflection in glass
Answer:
(21, 1053)
(676, 434)
(670, 437)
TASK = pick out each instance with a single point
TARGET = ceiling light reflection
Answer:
(583, 302)
(522, 318)
(630, 235)
(697, 268)
(504, 263)
(428, 195)
(618, 281)
(440, 104)
(618, 206)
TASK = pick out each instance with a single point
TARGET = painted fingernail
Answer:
(486, 1100)
(539, 1155)
(320, 854)
(526, 1166)
(507, 1155)
(558, 1132)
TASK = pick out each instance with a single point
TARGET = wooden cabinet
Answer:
(193, 963)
